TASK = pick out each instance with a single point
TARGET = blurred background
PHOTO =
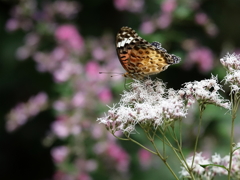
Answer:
(51, 92)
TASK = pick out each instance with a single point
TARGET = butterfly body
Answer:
(139, 57)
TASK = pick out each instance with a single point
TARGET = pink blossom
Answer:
(68, 34)
(91, 165)
(86, 165)
(105, 95)
(39, 100)
(121, 4)
(212, 29)
(120, 156)
(78, 99)
(19, 115)
(129, 5)
(201, 18)
(59, 127)
(23, 53)
(98, 53)
(135, 5)
(60, 105)
(32, 39)
(92, 69)
(168, 6)
(97, 131)
(147, 27)
(145, 158)
(66, 70)
(164, 20)
(58, 54)
(203, 57)
(76, 130)
(59, 153)
(12, 24)
(66, 8)
(84, 176)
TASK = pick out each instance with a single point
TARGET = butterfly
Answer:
(139, 57)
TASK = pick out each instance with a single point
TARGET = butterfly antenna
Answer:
(113, 73)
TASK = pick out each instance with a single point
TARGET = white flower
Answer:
(231, 62)
(202, 173)
(148, 103)
(207, 92)
(210, 171)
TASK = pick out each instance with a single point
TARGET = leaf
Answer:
(206, 165)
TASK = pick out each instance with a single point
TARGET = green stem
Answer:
(182, 156)
(201, 109)
(235, 103)
(163, 159)
(142, 146)
(180, 133)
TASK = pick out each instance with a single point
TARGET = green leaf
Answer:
(206, 165)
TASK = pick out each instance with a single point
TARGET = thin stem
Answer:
(123, 139)
(183, 157)
(201, 109)
(163, 159)
(175, 150)
(142, 145)
(235, 104)
(180, 133)
(164, 146)
(167, 143)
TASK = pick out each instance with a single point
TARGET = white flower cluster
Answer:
(147, 103)
(206, 91)
(150, 103)
(232, 63)
(211, 171)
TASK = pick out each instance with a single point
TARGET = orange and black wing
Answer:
(140, 58)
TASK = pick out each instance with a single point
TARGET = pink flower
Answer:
(36, 102)
(147, 27)
(98, 53)
(68, 34)
(23, 52)
(12, 24)
(135, 5)
(212, 29)
(19, 115)
(60, 105)
(58, 54)
(120, 156)
(145, 158)
(105, 95)
(59, 153)
(92, 69)
(168, 6)
(129, 5)
(78, 99)
(66, 70)
(84, 176)
(164, 20)
(201, 18)
(59, 127)
(67, 9)
(97, 131)
(121, 4)
(203, 57)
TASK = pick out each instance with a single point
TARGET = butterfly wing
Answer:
(139, 57)
(126, 40)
